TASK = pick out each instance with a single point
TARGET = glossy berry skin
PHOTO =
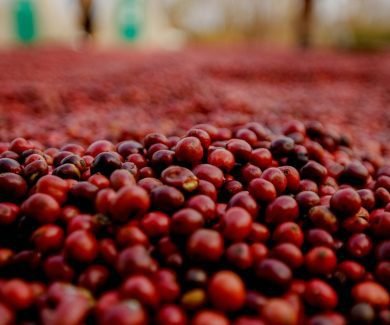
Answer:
(189, 150)
(359, 245)
(57, 269)
(135, 259)
(288, 232)
(48, 238)
(236, 224)
(210, 173)
(166, 198)
(206, 317)
(351, 270)
(273, 271)
(186, 221)
(283, 208)
(105, 163)
(125, 312)
(226, 284)
(345, 202)
(206, 245)
(245, 201)
(53, 186)
(222, 159)
(8, 213)
(239, 255)
(41, 207)
(371, 293)
(141, 288)
(180, 177)
(261, 157)
(12, 187)
(279, 311)
(240, 149)
(171, 315)
(203, 204)
(276, 177)
(81, 246)
(320, 260)
(130, 201)
(293, 178)
(94, 278)
(17, 294)
(314, 171)
(289, 254)
(155, 224)
(320, 295)
(262, 190)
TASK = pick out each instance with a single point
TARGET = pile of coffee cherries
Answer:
(220, 226)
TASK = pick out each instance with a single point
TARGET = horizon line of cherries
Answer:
(292, 228)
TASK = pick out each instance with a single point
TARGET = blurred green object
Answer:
(130, 17)
(25, 20)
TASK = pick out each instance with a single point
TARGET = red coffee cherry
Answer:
(17, 294)
(48, 238)
(226, 284)
(345, 202)
(205, 244)
(320, 295)
(283, 208)
(130, 201)
(321, 260)
(42, 208)
(371, 293)
(236, 224)
(81, 246)
(189, 150)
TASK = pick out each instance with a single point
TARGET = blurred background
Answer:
(353, 24)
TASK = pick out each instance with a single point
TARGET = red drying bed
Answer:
(241, 187)
(58, 96)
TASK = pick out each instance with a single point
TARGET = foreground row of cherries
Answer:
(222, 226)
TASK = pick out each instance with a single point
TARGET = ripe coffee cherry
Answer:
(320, 295)
(48, 238)
(17, 294)
(42, 208)
(288, 232)
(245, 201)
(166, 198)
(239, 255)
(289, 254)
(371, 293)
(180, 177)
(12, 187)
(323, 218)
(67, 171)
(206, 245)
(236, 224)
(131, 201)
(105, 163)
(171, 315)
(125, 312)
(204, 205)
(205, 317)
(8, 213)
(8, 165)
(314, 171)
(135, 259)
(189, 150)
(345, 202)
(222, 159)
(53, 186)
(202, 135)
(209, 173)
(94, 278)
(139, 287)
(186, 221)
(283, 208)
(240, 149)
(359, 245)
(262, 190)
(307, 199)
(276, 177)
(293, 178)
(282, 147)
(354, 173)
(273, 271)
(279, 311)
(351, 270)
(261, 157)
(155, 224)
(226, 284)
(321, 260)
(81, 246)
(362, 314)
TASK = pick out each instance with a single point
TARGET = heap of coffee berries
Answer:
(221, 226)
